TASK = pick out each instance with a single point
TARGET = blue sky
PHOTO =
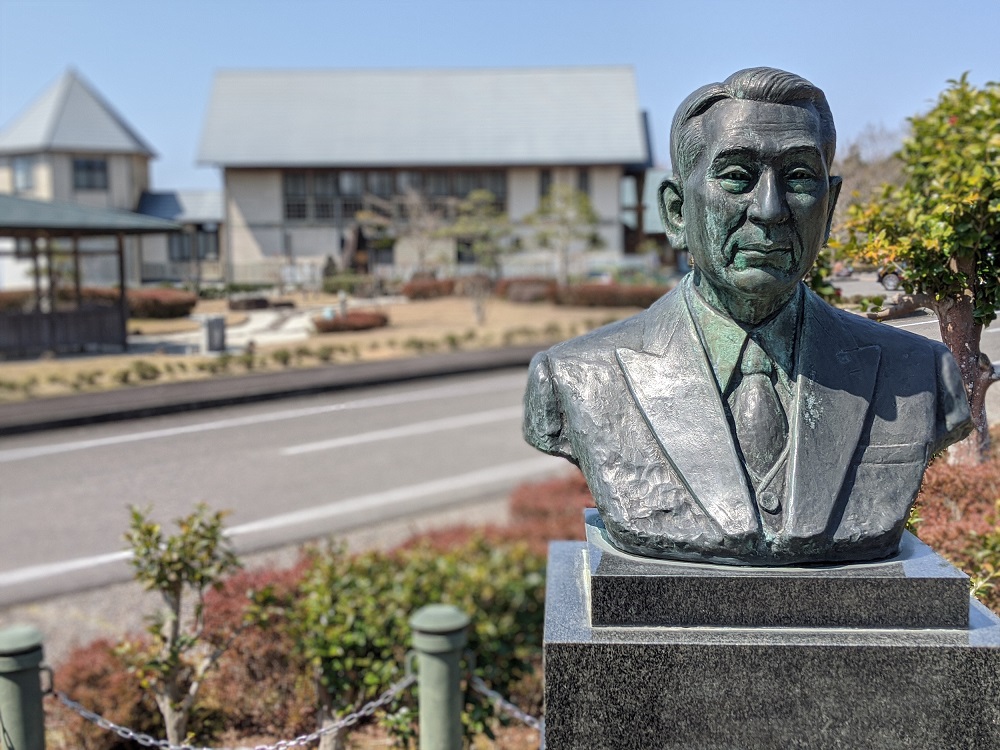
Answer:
(878, 61)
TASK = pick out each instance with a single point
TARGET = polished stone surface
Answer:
(914, 589)
(719, 688)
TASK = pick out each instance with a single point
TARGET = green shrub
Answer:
(354, 611)
(282, 356)
(144, 370)
(324, 353)
(349, 283)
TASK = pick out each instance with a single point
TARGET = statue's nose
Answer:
(768, 205)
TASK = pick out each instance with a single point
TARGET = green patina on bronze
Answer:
(741, 419)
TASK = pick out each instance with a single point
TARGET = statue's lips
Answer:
(775, 255)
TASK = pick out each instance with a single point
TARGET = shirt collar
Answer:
(723, 338)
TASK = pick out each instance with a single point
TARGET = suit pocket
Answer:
(892, 454)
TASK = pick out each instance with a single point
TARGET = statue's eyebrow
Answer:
(742, 152)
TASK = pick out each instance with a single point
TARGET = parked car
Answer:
(891, 276)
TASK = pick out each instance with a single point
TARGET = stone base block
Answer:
(761, 688)
(915, 589)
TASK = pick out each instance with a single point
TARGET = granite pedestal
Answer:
(649, 655)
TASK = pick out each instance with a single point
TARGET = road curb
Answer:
(170, 398)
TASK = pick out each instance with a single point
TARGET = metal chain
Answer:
(505, 705)
(144, 739)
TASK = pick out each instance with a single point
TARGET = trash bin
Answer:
(214, 330)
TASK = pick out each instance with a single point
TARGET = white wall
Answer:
(254, 209)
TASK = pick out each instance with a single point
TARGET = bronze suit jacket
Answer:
(636, 407)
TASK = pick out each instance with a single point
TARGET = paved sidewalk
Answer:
(145, 401)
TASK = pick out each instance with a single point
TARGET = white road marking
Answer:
(52, 570)
(408, 430)
(918, 323)
(427, 394)
(501, 473)
(518, 470)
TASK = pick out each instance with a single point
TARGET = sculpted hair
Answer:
(752, 84)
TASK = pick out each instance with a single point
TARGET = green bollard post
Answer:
(438, 638)
(22, 719)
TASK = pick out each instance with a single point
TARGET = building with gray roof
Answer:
(302, 152)
(71, 146)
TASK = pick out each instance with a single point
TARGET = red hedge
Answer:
(355, 320)
(429, 288)
(527, 289)
(610, 295)
(142, 303)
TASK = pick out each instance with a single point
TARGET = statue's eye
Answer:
(801, 178)
(735, 179)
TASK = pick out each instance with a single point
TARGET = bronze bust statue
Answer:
(741, 419)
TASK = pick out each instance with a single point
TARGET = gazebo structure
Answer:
(44, 326)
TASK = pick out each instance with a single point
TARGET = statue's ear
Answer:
(835, 184)
(670, 201)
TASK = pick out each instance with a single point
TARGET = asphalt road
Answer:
(288, 471)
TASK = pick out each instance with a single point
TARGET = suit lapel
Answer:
(672, 383)
(835, 385)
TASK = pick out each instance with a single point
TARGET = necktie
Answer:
(761, 427)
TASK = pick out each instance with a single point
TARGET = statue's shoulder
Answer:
(890, 338)
(599, 345)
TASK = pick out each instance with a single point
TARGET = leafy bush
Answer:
(610, 295)
(354, 320)
(145, 370)
(350, 283)
(428, 288)
(98, 678)
(354, 613)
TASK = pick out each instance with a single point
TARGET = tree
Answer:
(942, 226)
(178, 657)
(566, 220)
(480, 223)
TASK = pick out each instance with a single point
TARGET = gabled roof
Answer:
(20, 216)
(521, 116)
(183, 206)
(71, 116)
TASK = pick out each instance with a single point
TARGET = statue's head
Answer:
(751, 196)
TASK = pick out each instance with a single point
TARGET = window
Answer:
(438, 184)
(465, 183)
(181, 245)
(325, 194)
(90, 174)
(296, 196)
(380, 183)
(409, 181)
(349, 183)
(466, 256)
(544, 182)
(24, 173)
(583, 180)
